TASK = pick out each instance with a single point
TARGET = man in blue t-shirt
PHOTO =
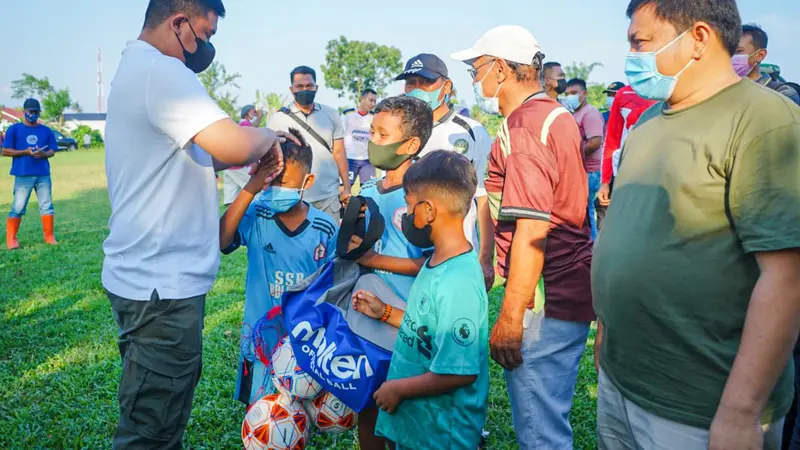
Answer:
(31, 144)
(287, 241)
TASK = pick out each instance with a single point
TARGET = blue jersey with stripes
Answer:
(392, 204)
(278, 258)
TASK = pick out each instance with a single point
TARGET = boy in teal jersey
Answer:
(437, 389)
(287, 241)
(400, 129)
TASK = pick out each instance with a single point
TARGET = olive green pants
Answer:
(160, 342)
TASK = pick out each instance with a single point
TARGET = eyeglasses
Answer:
(473, 72)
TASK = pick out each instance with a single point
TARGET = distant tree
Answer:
(54, 104)
(491, 122)
(82, 130)
(270, 103)
(218, 83)
(30, 86)
(352, 66)
(594, 94)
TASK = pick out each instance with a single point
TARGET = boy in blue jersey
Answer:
(30, 144)
(436, 393)
(287, 240)
(400, 129)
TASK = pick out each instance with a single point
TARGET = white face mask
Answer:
(489, 105)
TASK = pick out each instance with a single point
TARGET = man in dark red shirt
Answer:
(625, 111)
(538, 193)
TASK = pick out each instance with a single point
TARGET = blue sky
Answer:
(263, 40)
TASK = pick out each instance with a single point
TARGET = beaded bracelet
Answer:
(386, 313)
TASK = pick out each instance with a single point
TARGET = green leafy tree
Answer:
(55, 102)
(352, 66)
(82, 130)
(491, 122)
(30, 86)
(218, 82)
(594, 94)
(270, 103)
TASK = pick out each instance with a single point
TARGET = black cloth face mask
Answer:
(202, 57)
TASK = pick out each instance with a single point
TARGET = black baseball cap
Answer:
(424, 65)
(614, 87)
(32, 104)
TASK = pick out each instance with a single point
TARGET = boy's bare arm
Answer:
(229, 222)
(392, 393)
(402, 266)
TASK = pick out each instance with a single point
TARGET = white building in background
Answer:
(95, 121)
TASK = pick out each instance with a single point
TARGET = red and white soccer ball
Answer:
(288, 377)
(329, 414)
(275, 423)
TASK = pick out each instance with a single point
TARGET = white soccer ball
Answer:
(275, 422)
(329, 414)
(288, 377)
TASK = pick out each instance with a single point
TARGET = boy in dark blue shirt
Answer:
(31, 144)
(287, 240)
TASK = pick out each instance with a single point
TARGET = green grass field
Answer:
(59, 364)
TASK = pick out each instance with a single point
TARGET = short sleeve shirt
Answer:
(164, 225)
(536, 172)
(356, 133)
(468, 137)
(445, 331)
(393, 242)
(22, 137)
(328, 125)
(699, 193)
(591, 124)
(277, 259)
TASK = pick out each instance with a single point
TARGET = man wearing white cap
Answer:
(538, 194)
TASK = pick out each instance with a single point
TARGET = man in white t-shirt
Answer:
(357, 122)
(426, 78)
(165, 137)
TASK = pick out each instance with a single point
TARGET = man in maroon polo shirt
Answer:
(538, 193)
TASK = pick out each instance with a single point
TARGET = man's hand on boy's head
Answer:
(389, 396)
(283, 136)
(369, 304)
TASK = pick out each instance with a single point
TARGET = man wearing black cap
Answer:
(611, 92)
(31, 144)
(426, 79)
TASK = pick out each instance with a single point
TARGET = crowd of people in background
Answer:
(669, 220)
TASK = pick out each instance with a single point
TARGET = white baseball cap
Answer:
(510, 42)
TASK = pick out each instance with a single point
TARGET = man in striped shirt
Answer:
(538, 194)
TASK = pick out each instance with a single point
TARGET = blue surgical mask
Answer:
(572, 102)
(489, 105)
(609, 102)
(32, 118)
(430, 98)
(644, 77)
(279, 199)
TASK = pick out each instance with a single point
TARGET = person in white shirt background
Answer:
(165, 138)
(426, 78)
(357, 122)
(87, 141)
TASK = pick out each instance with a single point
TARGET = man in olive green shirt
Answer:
(696, 275)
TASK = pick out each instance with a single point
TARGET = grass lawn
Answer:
(59, 363)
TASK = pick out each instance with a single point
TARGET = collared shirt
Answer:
(325, 121)
(468, 137)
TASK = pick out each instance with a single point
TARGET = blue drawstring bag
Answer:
(345, 351)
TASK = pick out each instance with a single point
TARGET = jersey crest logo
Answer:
(464, 332)
(461, 146)
(32, 139)
(320, 252)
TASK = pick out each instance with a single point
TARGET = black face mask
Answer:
(305, 98)
(562, 87)
(419, 237)
(202, 57)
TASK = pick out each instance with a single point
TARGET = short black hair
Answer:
(417, 116)
(366, 92)
(722, 15)
(577, 82)
(446, 174)
(301, 154)
(160, 10)
(548, 66)
(757, 34)
(303, 70)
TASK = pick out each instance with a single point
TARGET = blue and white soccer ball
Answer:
(288, 377)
